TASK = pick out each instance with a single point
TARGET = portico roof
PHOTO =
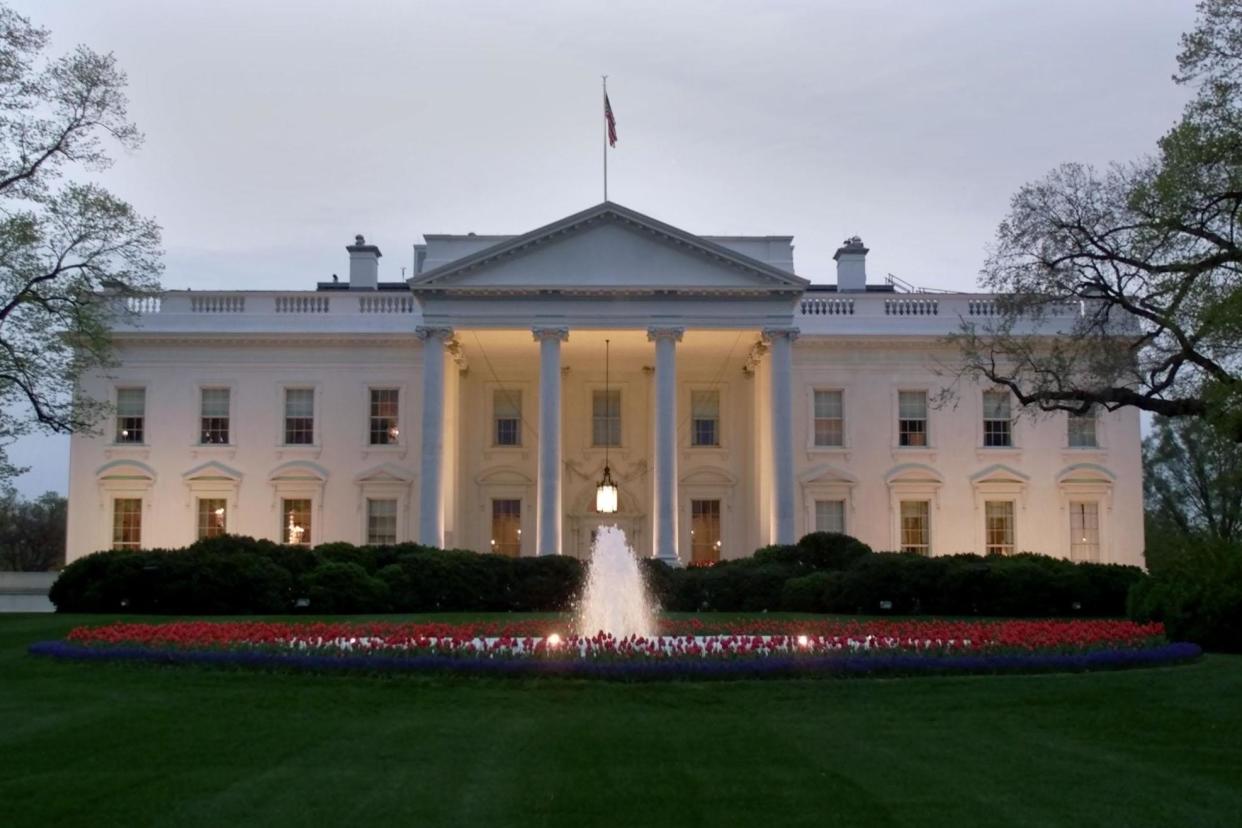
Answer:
(607, 248)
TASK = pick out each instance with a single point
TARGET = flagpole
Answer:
(604, 78)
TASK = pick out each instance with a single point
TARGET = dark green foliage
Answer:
(341, 587)
(235, 574)
(189, 581)
(806, 593)
(817, 551)
(1197, 595)
(821, 573)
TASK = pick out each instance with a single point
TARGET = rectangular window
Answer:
(704, 531)
(829, 419)
(296, 528)
(211, 517)
(912, 418)
(606, 418)
(381, 522)
(507, 527)
(997, 421)
(1081, 430)
(299, 416)
(507, 417)
(1084, 531)
(998, 527)
(830, 516)
(916, 526)
(704, 418)
(127, 523)
(131, 415)
(213, 412)
(384, 411)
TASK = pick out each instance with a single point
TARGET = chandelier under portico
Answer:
(607, 495)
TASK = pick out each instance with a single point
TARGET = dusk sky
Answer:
(275, 131)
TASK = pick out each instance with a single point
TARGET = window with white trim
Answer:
(829, 417)
(704, 418)
(998, 527)
(385, 410)
(213, 412)
(131, 415)
(381, 521)
(212, 514)
(296, 521)
(606, 417)
(1080, 430)
(912, 418)
(916, 526)
(830, 516)
(299, 416)
(507, 417)
(1084, 530)
(997, 420)
(127, 523)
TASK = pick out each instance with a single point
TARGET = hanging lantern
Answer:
(606, 494)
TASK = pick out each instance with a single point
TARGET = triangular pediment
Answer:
(608, 248)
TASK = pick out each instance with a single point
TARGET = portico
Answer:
(691, 323)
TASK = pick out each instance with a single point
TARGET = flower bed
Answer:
(690, 648)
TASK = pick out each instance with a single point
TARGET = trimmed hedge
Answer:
(823, 572)
(232, 575)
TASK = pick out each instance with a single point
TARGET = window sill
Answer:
(298, 451)
(998, 452)
(912, 452)
(128, 450)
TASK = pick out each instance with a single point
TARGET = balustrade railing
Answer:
(827, 307)
(393, 303)
(309, 303)
(219, 303)
(911, 307)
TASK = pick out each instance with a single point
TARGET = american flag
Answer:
(612, 122)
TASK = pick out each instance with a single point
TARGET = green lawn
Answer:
(130, 746)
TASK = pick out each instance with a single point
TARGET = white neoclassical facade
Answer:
(470, 407)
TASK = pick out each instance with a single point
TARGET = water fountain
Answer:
(615, 600)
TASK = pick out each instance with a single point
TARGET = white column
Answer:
(781, 341)
(548, 510)
(666, 340)
(431, 460)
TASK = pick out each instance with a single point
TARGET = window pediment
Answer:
(299, 470)
(212, 470)
(125, 469)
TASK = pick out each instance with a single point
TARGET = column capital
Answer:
(665, 332)
(783, 332)
(425, 332)
(550, 332)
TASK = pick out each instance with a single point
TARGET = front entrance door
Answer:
(704, 531)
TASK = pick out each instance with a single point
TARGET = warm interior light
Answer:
(394, 432)
(606, 494)
(554, 640)
(803, 641)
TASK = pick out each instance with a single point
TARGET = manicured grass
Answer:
(97, 744)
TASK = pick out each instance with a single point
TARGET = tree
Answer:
(61, 242)
(1193, 479)
(32, 532)
(1139, 264)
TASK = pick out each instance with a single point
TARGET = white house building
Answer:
(470, 407)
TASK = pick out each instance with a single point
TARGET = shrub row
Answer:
(241, 575)
(825, 572)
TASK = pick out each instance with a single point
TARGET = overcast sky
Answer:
(275, 131)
